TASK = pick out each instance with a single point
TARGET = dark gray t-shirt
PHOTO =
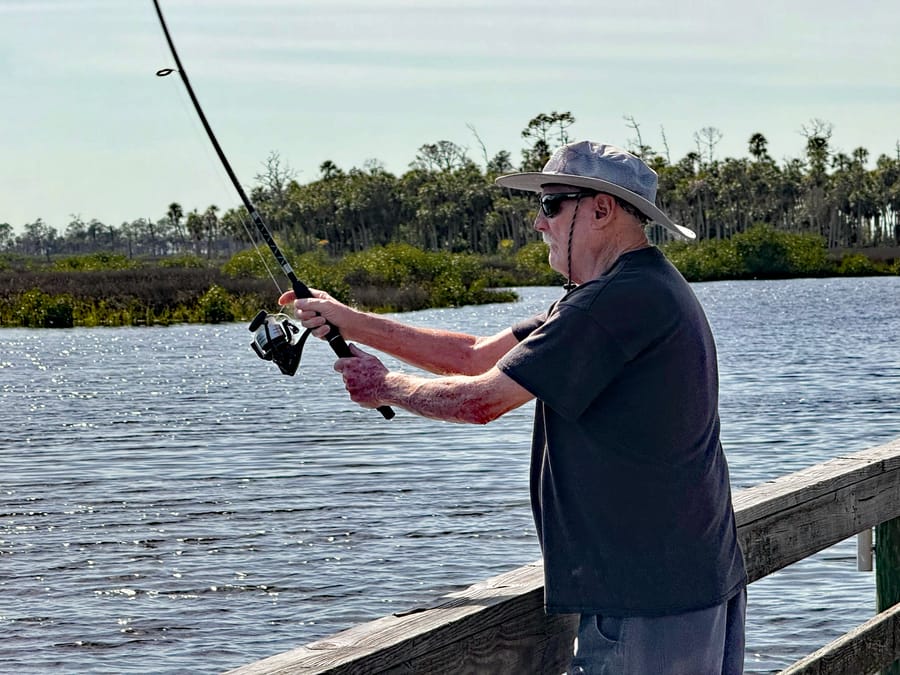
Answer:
(629, 483)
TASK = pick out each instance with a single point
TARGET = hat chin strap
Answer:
(569, 285)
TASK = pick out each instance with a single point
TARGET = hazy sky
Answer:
(87, 129)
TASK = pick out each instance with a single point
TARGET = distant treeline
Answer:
(111, 289)
(448, 202)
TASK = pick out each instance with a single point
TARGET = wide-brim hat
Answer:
(604, 168)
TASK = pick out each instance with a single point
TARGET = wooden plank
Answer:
(782, 538)
(788, 519)
(873, 645)
(499, 626)
(496, 626)
(782, 493)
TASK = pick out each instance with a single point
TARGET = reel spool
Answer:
(276, 339)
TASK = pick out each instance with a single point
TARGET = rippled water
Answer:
(169, 503)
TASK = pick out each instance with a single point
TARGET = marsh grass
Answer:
(394, 278)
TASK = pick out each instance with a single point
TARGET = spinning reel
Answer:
(276, 339)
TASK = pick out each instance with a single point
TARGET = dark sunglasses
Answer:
(552, 203)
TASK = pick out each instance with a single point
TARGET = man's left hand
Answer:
(364, 376)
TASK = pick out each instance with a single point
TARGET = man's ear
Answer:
(602, 206)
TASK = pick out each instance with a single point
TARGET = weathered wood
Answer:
(887, 573)
(790, 518)
(499, 626)
(865, 649)
(495, 626)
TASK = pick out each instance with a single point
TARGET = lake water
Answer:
(169, 503)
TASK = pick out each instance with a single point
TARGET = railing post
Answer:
(887, 572)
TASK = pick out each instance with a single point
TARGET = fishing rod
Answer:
(275, 337)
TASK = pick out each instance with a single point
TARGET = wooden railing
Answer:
(499, 625)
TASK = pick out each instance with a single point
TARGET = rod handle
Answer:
(342, 349)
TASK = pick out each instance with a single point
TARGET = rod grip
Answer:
(342, 349)
(334, 337)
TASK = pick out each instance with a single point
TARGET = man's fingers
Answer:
(288, 296)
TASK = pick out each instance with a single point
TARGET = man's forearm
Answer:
(471, 400)
(437, 351)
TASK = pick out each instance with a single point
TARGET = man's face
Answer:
(561, 202)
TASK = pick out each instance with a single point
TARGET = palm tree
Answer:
(759, 147)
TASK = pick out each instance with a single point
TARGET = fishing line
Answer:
(276, 338)
(224, 187)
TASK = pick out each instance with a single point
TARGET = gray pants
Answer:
(704, 642)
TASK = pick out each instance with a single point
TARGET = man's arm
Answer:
(437, 351)
(476, 399)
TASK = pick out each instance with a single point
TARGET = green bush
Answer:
(705, 261)
(247, 264)
(763, 252)
(185, 261)
(216, 305)
(760, 252)
(313, 269)
(400, 277)
(531, 261)
(37, 309)
(316, 270)
(856, 265)
(94, 262)
(808, 255)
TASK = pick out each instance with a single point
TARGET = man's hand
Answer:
(363, 377)
(316, 311)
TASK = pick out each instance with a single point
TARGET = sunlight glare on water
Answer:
(170, 503)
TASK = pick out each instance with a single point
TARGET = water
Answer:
(171, 504)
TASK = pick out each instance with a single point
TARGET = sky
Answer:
(87, 130)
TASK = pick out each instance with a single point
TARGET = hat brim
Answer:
(534, 181)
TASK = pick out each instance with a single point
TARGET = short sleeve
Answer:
(524, 328)
(566, 361)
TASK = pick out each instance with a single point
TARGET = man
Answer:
(629, 483)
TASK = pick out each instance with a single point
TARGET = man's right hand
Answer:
(317, 311)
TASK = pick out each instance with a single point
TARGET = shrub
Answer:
(400, 277)
(216, 305)
(763, 252)
(709, 260)
(856, 265)
(37, 309)
(531, 261)
(760, 252)
(185, 261)
(313, 268)
(808, 254)
(246, 264)
(94, 262)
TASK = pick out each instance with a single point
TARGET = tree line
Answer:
(446, 201)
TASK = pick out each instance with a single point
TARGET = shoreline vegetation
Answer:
(822, 213)
(111, 289)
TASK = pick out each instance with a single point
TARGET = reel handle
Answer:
(258, 320)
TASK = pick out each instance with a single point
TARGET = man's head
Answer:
(595, 167)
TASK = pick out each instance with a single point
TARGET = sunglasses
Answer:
(552, 203)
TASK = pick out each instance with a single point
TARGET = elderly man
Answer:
(629, 484)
